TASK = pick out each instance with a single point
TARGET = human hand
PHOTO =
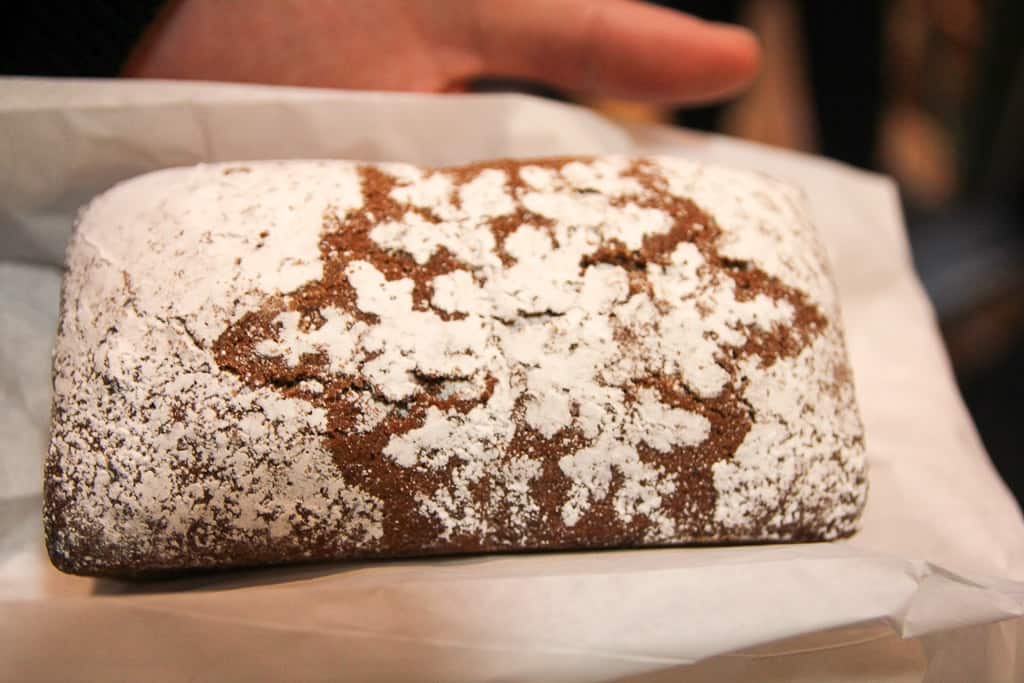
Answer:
(617, 48)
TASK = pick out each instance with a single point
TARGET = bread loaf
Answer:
(306, 360)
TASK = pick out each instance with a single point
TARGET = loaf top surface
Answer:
(271, 360)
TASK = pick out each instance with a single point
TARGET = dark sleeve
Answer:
(71, 37)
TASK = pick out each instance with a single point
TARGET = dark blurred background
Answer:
(930, 92)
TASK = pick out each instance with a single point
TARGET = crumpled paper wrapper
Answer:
(931, 589)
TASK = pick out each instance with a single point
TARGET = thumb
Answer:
(615, 48)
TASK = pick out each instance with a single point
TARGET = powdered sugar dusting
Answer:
(576, 364)
(159, 451)
(799, 442)
(338, 337)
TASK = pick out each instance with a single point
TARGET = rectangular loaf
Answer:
(273, 362)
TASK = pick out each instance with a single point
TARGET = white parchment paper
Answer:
(931, 589)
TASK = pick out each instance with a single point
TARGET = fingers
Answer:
(353, 44)
(607, 47)
(616, 48)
